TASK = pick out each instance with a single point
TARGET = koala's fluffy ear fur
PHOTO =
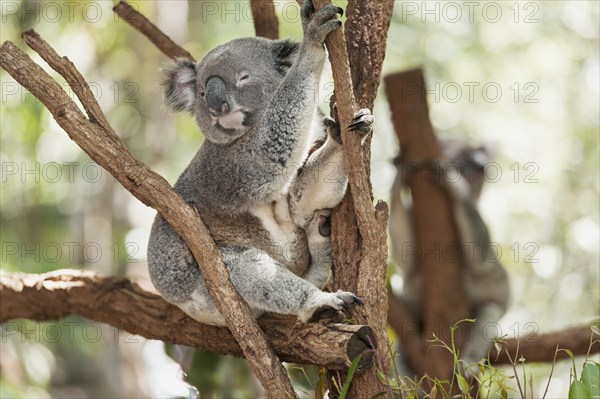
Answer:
(285, 52)
(180, 86)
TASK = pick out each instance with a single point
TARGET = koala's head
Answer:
(471, 161)
(230, 88)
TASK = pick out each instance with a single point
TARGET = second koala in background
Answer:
(485, 280)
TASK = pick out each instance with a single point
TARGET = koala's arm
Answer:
(283, 134)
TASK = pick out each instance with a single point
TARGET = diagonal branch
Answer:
(124, 305)
(109, 151)
(148, 29)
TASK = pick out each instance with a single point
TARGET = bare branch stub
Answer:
(124, 305)
(265, 19)
(109, 151)
(148, 29)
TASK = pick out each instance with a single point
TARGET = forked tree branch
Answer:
(124, 305)
(101, 143)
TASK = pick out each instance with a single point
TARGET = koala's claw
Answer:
(362, 122)
(306, 12)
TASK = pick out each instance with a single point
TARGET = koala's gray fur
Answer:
(485, 279)
(253, 181)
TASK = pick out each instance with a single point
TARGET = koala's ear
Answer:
(180, 85)
(285, 53)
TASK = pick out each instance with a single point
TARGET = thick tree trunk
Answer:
(444, 299)
(359, 232)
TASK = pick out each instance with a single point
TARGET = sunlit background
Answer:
(521, 77)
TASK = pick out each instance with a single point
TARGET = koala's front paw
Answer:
(325, 304)
(362, 123)
(317, 25)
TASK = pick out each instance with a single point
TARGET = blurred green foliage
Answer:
(57, 209)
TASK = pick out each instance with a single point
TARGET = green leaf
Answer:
(596, 328)
(462, 384)
(590, 377)
(578, 391)
(349, 377)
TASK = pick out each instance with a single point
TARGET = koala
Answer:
(462, 174)
(255, 181)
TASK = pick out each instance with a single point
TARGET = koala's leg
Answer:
(269, 287)
(266, 287)
(321, 182)
(318, 233)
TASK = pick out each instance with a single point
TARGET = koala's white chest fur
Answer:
(276, 219)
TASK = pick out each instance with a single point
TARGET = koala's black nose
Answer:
(216, 97)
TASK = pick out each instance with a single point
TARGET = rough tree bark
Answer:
(359, 232)
(102, 144)
(444, 298)
(265, 19)
(124, 305)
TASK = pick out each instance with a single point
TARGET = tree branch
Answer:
(265, 19)
(533, 348)
(108, 150)
(359, 232)
(542, 347)
(148, 29)
(444, 299)
(124, 305)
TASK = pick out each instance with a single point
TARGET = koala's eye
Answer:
(202, 93)
(244, 77)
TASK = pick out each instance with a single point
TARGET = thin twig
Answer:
(514, 367)
(551, 372)
(148, 29)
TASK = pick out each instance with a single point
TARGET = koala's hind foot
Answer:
(362, 123)
(327, 305)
